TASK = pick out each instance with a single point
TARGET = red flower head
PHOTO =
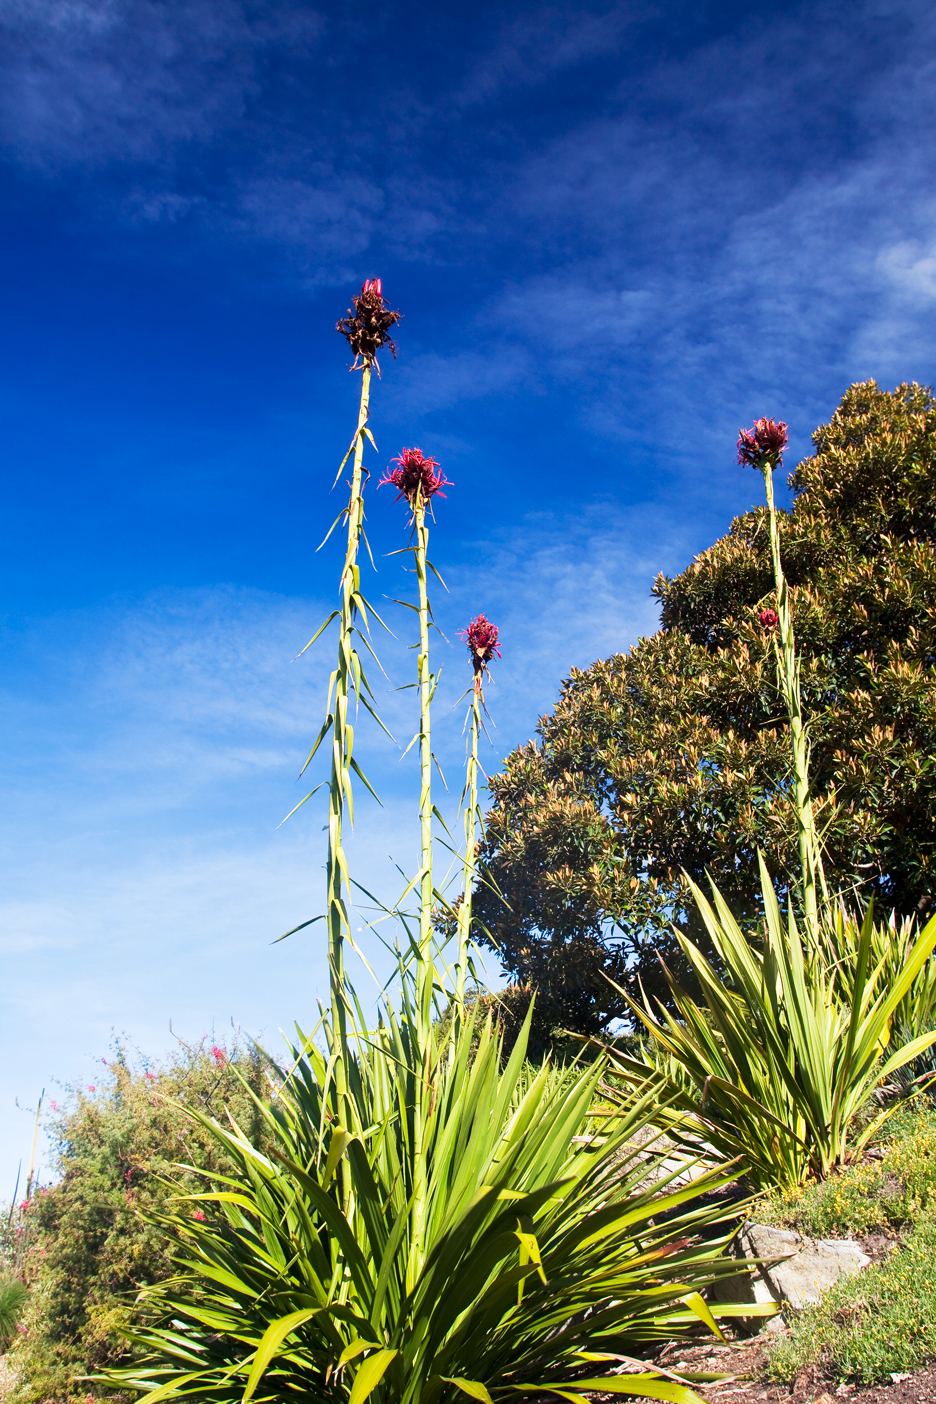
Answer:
(481, 638)
(764, 443)
(199, 1216)
(416, 477)
(769, 618)
(219, 1056)
(367, 325)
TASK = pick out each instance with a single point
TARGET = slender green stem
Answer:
(344, 681)
(468, 868)
(425, 966)
(425, 762)
(788, 669)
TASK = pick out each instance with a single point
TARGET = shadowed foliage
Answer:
(674, 757)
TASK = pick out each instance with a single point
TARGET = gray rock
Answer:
(794, 1271)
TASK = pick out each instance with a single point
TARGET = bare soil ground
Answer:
(746, 1363)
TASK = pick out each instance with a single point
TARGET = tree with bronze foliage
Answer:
(673, 758)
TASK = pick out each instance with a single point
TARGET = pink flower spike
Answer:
(416, 477)
(769, 619)
(199, 1216)
(764, 443)
(219, 1056)
(481, 638)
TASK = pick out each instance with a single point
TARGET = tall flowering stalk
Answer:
(761, 447)
(481, 636)
(417, 480)
(366, 328)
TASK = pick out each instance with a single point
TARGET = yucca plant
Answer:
(551, 1246)
(780, 1060)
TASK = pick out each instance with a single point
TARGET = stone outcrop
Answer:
(794, 1271)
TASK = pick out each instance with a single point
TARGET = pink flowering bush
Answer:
(91, 1241)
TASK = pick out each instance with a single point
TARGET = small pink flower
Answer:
(199, 1216)
(54, 1106)
(416, 477)
(151, 1077)
(769, 618)
(481, 638)
(764, 443)
(24, 1206)
(219, 1056)
(91, 1088)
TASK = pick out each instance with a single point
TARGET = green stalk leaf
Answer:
(370, 1374)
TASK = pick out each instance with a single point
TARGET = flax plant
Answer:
(793, 1044)
(761, 447)
(780, 1061)
(555, 1244)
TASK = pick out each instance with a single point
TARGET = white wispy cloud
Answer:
(93, 81)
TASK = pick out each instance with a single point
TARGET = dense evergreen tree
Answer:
(674, 757)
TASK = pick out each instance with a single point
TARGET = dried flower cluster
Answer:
(367, 326)
(763, 443)
(416, 477)
(481, 638)
(769, 619)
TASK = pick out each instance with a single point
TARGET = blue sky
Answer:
(617, 232)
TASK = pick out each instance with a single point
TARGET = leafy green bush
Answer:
(894, 1190)
(867, 1327)
(92, 1242)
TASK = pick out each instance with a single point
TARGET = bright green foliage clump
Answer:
(92, 1239)
(784, 1055)
(867, 1327)
(675, 757)
(546, 1239)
